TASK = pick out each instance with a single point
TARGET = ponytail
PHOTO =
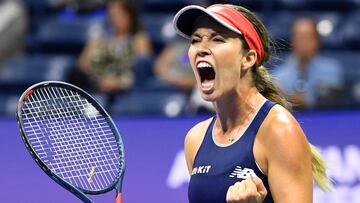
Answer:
(319, 167)
(270, 91)
(267, 88)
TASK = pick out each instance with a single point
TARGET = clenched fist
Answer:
(251, 190)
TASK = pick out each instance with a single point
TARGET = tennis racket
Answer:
(72, 138)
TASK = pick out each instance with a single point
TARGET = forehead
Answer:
(207, 22)
(304, 25)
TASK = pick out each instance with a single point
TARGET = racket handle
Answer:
(118, 198)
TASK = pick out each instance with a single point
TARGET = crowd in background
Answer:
(125, 53)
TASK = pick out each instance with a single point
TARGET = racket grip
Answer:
(118, 198)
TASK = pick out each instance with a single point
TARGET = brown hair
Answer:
(130, 8)
(265, 85)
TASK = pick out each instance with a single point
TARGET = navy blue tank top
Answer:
(216, 167)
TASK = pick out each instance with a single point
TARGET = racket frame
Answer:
(79, 192)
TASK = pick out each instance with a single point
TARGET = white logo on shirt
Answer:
(201, 170)
(242, 173)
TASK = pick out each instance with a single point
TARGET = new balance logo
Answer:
(242, 173)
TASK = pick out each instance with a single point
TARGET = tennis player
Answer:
(253, 149)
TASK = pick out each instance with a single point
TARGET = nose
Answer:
(202, 50)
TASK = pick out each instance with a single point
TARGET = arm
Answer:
(288, 157)
(142, 44)
(283, 153)
(86, 54)
(193, 141)
(161, 64)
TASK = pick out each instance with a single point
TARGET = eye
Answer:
(194, 40)
(219, 39)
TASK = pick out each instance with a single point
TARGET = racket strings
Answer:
(72, 138)
(93, 158)
(75, 165)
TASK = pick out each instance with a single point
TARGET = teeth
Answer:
(204, 65)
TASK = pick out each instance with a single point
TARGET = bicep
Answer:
(289, 166)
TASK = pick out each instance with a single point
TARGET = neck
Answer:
(121, 33)
(236, 109)
(304, 61)
(303, 64)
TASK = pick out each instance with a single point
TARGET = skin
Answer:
(280, 146)
(305, 40)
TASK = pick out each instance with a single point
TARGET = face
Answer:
(216, 56)
(305, 39)
(119, 18)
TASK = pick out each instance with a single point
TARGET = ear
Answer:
(249, 59)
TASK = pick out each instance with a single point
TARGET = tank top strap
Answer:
(260, 117)
(251, 131)
(208, 135)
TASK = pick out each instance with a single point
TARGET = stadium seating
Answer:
(67, 35)
(351, 30)
(159, 27)
(150, 102)
(57, 35)
(22, 71)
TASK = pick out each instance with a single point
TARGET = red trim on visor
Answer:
(233, 18)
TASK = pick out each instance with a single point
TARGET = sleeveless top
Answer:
(114, 57)
(216, 167)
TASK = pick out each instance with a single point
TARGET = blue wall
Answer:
(156, 170)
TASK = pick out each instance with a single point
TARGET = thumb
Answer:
(259, 186)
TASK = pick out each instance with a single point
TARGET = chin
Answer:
(208, 97)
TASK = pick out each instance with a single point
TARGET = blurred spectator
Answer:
(172, 67)
(107, 63)
(306, 77)
(173, 71)
(13, 28)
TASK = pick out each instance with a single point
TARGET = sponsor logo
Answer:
(242, 173)
(201, 170)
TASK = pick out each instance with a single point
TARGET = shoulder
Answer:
(285, 69)
(284, 138)
(327, 63)
(281, 124)
(141, 36)
(193, 141)
(197, 132)
(97, 41)
(288, 157)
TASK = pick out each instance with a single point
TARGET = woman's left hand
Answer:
(251, 190)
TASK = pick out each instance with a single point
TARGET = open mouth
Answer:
(206, 72)
(207, 76)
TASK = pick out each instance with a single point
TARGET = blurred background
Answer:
(127, 55)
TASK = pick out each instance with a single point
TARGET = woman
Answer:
(253, 150)
(107, 62)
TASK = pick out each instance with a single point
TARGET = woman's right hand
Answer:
(250, 190)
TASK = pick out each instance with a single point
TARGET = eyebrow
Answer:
(213, 34)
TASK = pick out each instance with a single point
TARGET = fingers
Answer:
(259, 186)
(230, 194)
(246, 191)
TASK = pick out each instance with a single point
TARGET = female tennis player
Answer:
(253, 149)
